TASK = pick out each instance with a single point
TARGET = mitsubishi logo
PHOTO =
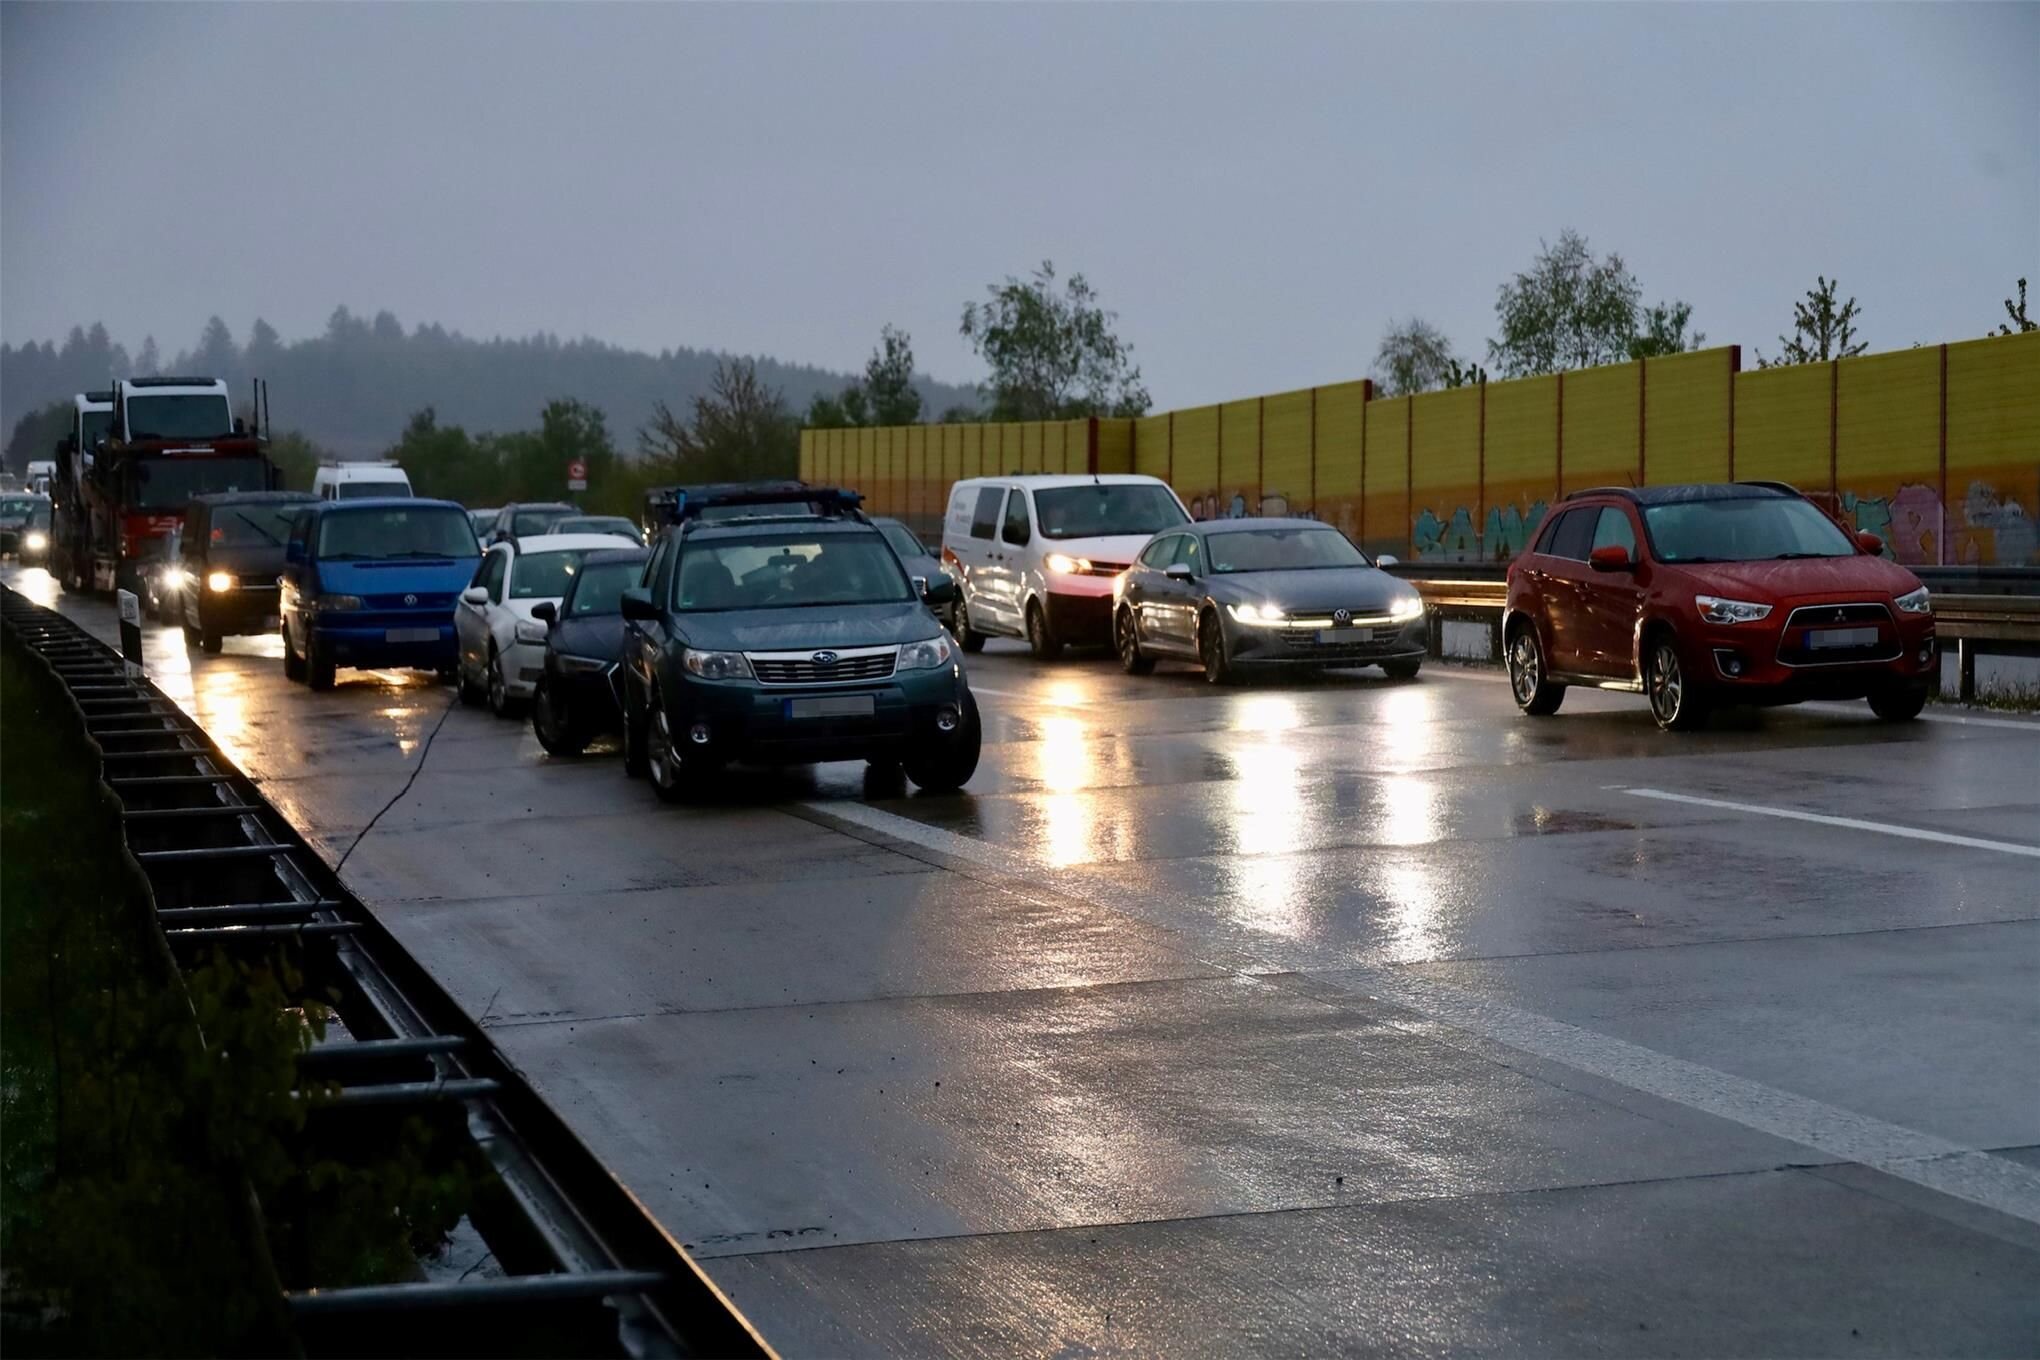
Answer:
(410, 599)
(824, 658)
(1342, 616)
(1841, 616)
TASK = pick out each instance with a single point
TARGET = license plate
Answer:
(1841, 637)
(1345, 635)
(411, 635)
(834, 706)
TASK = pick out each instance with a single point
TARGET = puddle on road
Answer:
(1559, 822)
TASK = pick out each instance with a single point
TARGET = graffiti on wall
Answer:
(1988, 528)
(1507, 530)
(1274, 505)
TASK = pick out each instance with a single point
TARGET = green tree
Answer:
(889, 379)
(2020, 323)
(1663, 331)
(842, 411)
(35, 436)
(442, 460)
(148, 360)
(1052, 355)
(1823, 328)
(297, 458)
(1414, 357)
(1568, 310)
(740, 431)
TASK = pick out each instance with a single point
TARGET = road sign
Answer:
(577, 474)
(130, 629)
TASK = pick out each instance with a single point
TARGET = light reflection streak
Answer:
(1270, 822)
(1063, 764)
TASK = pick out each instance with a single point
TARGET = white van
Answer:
(1037, 554)
(353, 481)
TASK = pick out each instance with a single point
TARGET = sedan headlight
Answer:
(715, 665)
(1258, 614)
(1915, 602)
(1406, 607)
(581, 665)
(926, 656)
(218, 581)
(36, 542)
(1716, 610)
(338, 602)
(530, 630)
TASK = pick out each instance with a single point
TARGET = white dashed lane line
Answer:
(1911, 833)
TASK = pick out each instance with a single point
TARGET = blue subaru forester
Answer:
(373, 583)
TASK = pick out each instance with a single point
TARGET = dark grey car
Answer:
(921, 564)
(1240, 593)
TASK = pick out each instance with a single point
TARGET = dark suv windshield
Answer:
(378, 535)
(169, 483)
(1100, 511)
(186, 417)
(258, 524)
(600, 589)
(788, 571)
(1280, 550)
(1755, 530)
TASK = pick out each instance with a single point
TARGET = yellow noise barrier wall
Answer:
(1936, 450)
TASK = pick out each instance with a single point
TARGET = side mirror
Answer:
(1870, 543)
(1388, 560)
(240, 425)
(544, 612)
(1179, 571)
(1610, 557)
(475, 595)
(938, 590)
(637, 604)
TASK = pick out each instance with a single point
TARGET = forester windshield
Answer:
(790, 571)
(1106, 510)
(1280, 550)
(380, 535)
(1757, 529)
(181, 417)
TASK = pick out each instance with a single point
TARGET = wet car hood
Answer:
(791, 630)
(1761, 582)
(244, 560)
(598, 635)
(425, 576)
(1364, 590)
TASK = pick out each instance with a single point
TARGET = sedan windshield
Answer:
(1280, 550)
(789, 572)
(545, 575)
(600, 589)
(538, 520)
(1762, 529)
(396, 532)
(598, 524)
(1106, 509)
(18, 508)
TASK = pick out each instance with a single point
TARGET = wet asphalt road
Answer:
(1342, 1016)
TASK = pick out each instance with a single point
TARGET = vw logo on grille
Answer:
(410, 599)
(824, 658)
(1342, 616)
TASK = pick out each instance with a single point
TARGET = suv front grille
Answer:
(1792, 641)
(850, 666)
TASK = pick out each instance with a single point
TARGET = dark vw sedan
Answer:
(578, 697)
(1239, 593)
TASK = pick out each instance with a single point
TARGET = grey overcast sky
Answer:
(1256, 189)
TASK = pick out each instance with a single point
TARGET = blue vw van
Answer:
(373, 582)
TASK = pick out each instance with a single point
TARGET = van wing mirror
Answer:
(637, 604)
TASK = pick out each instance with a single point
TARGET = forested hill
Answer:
(351, 389)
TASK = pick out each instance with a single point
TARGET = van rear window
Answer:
(985, 521)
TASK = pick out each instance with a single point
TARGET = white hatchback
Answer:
(1037, 554)
(502, 647)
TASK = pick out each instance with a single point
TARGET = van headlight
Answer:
(1064, 565)
(715, 665)
(1257, 614)
(325, 602)
(926, 656)
(219, 582)
(36, 542)
(1717, 610)
(1915, 602)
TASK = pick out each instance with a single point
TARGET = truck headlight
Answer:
(1915, 602)
(1257, 614)
(926, 656)
(1716, 610)
(218, 581)
(1406, 608)
(715, 665)
(530, 630)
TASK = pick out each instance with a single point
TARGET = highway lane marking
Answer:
(1912, 833)
(1908, 1154)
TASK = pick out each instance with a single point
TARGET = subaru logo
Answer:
(1342, 616)
(410, 599)
(824, 658)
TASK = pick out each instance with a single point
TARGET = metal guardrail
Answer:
(227, 870)
(1997, 622)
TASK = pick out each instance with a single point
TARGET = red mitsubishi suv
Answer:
(1701, 596)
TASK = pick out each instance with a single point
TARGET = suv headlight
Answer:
(926, 656)
(715, 665)
(1406, 608)
(530, 630)
(339, 602)
(1256, 614)
(1716, 610)
(1915, 602)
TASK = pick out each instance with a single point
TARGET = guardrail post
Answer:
(1965, 670)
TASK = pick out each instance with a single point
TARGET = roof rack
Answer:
(171, 382)
(775, 500)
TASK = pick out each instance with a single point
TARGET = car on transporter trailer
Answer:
(789, 639)
(1711, 595)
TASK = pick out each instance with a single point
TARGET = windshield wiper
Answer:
(273, 540)
(1795, 556)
